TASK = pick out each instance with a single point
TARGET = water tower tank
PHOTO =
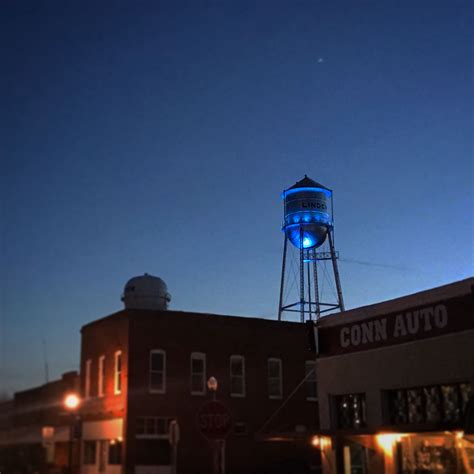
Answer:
(146, 292)
(307, 213)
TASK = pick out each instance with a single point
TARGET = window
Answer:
(237, 376)
(101, 375)
(118, 372)
(90, 452)
(198, 373)
(435, 404)
(240, 428)
(350, 410)
(157, 371)
(275, 389)
(87, 382)
(115, 452)
(153, 426)
(311, 385)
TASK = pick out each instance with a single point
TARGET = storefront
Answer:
(396, 384)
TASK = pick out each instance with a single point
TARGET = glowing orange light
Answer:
(387, 440)
(315, 441)
(71, 401)
(459, 434)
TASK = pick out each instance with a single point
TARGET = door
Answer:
(103, 445)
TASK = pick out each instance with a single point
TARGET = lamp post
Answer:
(212, 385)
(219, 444)
(71, 403)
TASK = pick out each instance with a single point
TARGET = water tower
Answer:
(146, 292)
(308, 226)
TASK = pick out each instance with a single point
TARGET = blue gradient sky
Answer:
(157, 136)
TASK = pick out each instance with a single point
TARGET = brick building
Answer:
(140, 369)
(34, 428)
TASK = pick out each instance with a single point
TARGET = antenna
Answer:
(45, 359)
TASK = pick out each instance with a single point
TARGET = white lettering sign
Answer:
(410, 323)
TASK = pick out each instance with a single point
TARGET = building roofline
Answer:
(401, 303)
(126, 313)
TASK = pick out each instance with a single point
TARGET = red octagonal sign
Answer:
(214, 420)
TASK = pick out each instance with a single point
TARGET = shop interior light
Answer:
(321, 442)
(387, 440)
(325, 442)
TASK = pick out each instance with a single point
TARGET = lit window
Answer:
(157, 371)
(115, 452)
(101, 375)
(311, 385)
(198, 373)
(274, 378)
(118, 372)
(90, 452)
(350, 410)
(87, 382)
(237, 376)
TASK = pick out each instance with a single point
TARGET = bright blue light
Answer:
(313, 234)
(287, 192)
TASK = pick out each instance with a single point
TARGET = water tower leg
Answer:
(336, 271)
(308, 276)
(301, 275)
(316, 286)
(282, 282)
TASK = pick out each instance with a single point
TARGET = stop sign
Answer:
(214, 420)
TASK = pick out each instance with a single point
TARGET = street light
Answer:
(71, 403)
(218, 445)
(212, 385)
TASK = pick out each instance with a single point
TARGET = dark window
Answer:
(198, 373)
(240, 428)
(274, 378)
(237, 376)
(157, 371)
(115, 452)
(415, 406)
(350, 411)
(153, 426)
(431, 404)
(90, 452)
(140, 429)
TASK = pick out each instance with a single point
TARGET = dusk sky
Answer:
(156, 137)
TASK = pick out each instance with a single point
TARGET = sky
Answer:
(157, 136)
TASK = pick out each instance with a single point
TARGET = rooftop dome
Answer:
(146, 292)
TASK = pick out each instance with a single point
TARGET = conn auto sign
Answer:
(413, 322)
(396, 328)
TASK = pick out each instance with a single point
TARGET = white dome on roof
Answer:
(146, 292)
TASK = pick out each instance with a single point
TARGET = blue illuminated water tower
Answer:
(308, 226)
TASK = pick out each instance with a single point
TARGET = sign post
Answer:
(174, 440)
(214, 422)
